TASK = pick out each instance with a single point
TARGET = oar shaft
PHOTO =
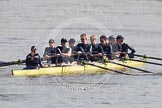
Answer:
(131, 67)
(11, 63)
(144, 56)
(107, 69)
(146, 62)
(110, 70)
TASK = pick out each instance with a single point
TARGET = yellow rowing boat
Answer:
(76, 69)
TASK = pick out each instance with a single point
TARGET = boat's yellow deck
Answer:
(75, 69)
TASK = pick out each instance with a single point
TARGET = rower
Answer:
(114, 47)
(72, 44)
(123, 48)
(33, 59)
(50, 53)
(63, 52)
(73, 49)
(83, 48)
(95, 49)
(106, 49)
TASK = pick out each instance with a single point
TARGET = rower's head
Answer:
(83, 38)
(63, 42)
(72, 43)
(33, 49)
(103, 40)
(93, 39)
(111, 39)
(51, 43)
(119, 39)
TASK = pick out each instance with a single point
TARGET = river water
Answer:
(24, 23)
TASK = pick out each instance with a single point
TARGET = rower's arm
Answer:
(27, 61)
(101, 51)
(40, 63)
(45, 55)
(68, 54)
(132, 50)
(45, 52)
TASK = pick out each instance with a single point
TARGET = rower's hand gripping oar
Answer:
(128, 66)
(87, 63)
(62, 55)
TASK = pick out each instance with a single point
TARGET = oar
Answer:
(11, 63)
(84, 53)
(128, 66)
(146, 62)
(86, 63)
(144, 56)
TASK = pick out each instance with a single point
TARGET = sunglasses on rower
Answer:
(83, 39)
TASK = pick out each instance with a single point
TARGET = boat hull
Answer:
(75, 69)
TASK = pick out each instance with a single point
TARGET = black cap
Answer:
(51, 41)
(111, 37)
(33, 48)
(63, 40)
(119, 37)
(71, 40)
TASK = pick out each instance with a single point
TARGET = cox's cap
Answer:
(63, 40)
(51, 41)
(111, 37)
(71, 40)
(119, 37)
(33, 48)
